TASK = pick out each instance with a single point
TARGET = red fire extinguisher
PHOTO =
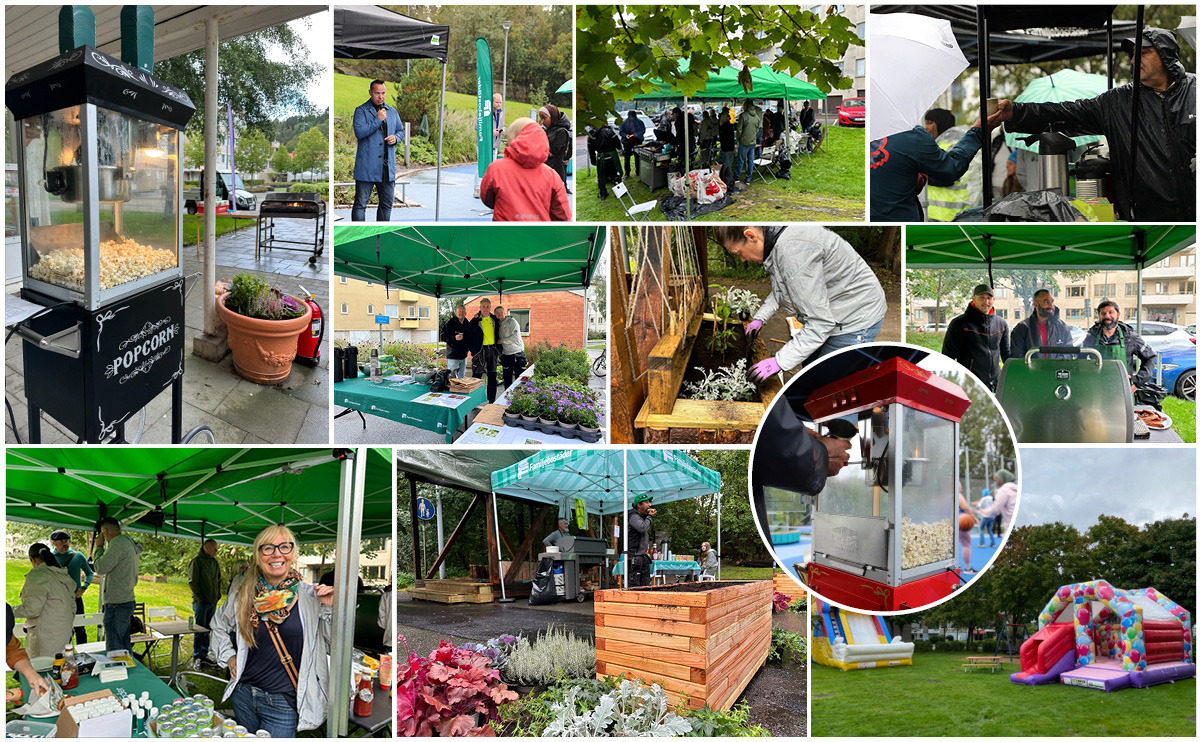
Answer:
(308, 347)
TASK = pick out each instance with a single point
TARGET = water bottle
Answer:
(376, 376)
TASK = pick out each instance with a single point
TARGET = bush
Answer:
(321, 187)
(735, 722)
(555, 655)
(597, 335)
(406, 355)
(785, 642)
(559, 360)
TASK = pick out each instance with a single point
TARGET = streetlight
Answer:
(504, 80)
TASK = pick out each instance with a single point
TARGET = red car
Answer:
(853, 112)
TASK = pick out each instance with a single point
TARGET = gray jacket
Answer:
(48, 607)
(818, 278)
(316, 619)
(639, 532)
(709, 567)
(510, 337)
(119, 566)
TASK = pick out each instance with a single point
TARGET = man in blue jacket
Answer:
(378, 129)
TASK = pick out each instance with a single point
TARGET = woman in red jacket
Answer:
(521, 187)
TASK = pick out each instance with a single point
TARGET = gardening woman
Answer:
(816, 278)
(47, 604)
(278, 662)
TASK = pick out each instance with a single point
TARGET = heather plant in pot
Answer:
(264, 326)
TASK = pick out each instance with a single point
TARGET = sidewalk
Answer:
(458, 197)
(238, 411)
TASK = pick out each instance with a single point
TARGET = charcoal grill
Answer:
(1068, 398)
(284, 205)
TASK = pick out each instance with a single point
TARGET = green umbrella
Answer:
(566, 87)
(1064, 85)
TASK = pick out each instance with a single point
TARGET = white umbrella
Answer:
(914, 59)
(1187, 29)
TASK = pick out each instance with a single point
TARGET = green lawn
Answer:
(1182, 412)
(733, 572)
(827, 186)
(350, 92)
(934, 697)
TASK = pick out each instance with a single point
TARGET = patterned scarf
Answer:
(275, 603)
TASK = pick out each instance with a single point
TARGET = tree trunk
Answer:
(890, 249)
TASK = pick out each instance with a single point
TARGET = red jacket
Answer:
(520, 187)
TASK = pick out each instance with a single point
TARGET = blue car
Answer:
(1179, 370)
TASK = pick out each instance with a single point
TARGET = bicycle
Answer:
(600, 365)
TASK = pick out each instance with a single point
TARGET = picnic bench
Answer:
(992, 663)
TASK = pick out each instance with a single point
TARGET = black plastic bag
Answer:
(440, 381)
(674, 209)
(1030, 206)
(543, 591)
(1151, 394)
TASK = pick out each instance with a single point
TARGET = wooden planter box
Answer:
(786, 585)
(668, 419)
(701, 647)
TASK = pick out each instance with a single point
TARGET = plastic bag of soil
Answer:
(675, 209)
(1031, 206)
(543, 591)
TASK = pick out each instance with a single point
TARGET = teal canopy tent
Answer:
(566, 87)
(227, 494)
(607, 481)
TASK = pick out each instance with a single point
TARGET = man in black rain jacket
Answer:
(1165, 181)
(978, 339)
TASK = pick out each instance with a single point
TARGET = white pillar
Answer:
(351, 495)
(499, 554)
(441, 539)
(719, 534)
(211, 41)
(625, 500)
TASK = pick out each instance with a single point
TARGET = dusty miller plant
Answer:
(743, 303)
(632, 710)
(555, 655)
(728, 383)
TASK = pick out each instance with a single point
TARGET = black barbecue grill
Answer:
(284, 205)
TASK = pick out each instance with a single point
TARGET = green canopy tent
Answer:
(603, 480)
(227, 494)
(442, 261)
(1045, 246)
(723, 83)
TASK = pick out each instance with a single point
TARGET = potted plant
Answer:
(588, 421)
(264, 326)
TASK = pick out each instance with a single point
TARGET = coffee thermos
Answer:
(339, 364)
(351, 371)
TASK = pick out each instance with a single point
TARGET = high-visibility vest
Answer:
(947, 202)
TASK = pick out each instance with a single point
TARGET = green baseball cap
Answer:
(640, 499)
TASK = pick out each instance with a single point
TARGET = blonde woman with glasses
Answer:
(278, 660)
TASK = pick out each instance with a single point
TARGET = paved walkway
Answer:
(458, 197)
(238, 411)
(349, 431)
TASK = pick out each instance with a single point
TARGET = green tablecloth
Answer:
(395, 402)
(140, 679)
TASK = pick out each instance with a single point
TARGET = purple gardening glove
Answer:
(753, 328)
(764, 370)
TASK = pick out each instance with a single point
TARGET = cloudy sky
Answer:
(316, 32)
(1075, 485)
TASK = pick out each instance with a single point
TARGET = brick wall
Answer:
(555, 317)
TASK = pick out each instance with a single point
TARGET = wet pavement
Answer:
(238, 411)
(458, 201)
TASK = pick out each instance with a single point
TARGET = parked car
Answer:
(853, 112)
(1161, 335)
(245, 199)
(1179, 370)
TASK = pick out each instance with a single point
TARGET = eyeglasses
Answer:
(269, 549)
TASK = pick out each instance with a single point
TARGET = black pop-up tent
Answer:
(372, 32)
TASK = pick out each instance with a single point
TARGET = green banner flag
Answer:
(483, 103)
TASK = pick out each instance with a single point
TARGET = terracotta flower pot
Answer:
(263, 350)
